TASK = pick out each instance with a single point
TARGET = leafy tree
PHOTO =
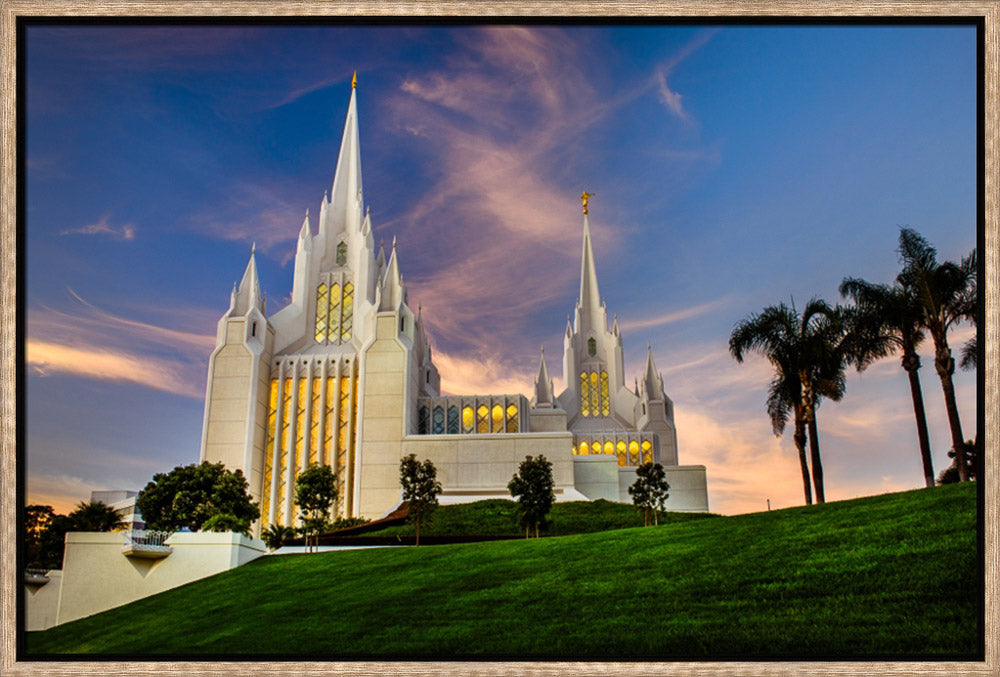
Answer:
(420, 488)
(947, 295)
(950, 474)
(95, 516)
(650, 491)
(532, 486)
(315, 492)
(275, 535)
(190, 495)
(808, 354)
(889, 320)
(37, 519)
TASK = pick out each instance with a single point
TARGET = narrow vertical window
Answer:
(622, 456)
(341, 253)
(322, 307)
(497, 414)
(438, 421)
(348, 321)
(334, 321)
(315, 443)
(467, 419)
(482, 419)
(453, 420)
(609, 448)
(584, 449)
(330, 421)
(402, 324)
(647, 452)
(300, 427)
(595, 407)
(265, 493)
(253, 329)
(422, 420)
(584, 394)
(286, 415)
(344, 476)
(512, 422)
(591, 346)
(633, 453)
(605, 395)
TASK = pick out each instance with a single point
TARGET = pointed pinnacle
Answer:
(354, 81)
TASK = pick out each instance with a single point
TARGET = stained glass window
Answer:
(438, 421)
(422, 421)
(341, 253)
(594, 395)
(605, 395)
(272, 410)
(622, 456)
(512, 418)
(330, 420)
(497, 418)
(647, 453)
(322, 307)
(453, 420)
(584, 449)
(348, 321)
(609, 448)
(467, 419)
(584, 394)
(482, 419)
(334, 320)
(633, 453)
(591, 347)
(314, 441)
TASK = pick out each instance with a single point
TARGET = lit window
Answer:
(647, 454)
(633, 453)
(314, 432)
(622, 457)
(497, 418)
(322, 306)
(575, 451)
(591, 346)
(334, 324)
(272, 409)
(609, 448)
(453, 420)
(605, 395)
(512, 418)
(348, 321)
(341, 253)
(467, 419)
(438, 421)
(482, 419)
(584, 394)
(422, 421)
(594, 398)
(584, 449)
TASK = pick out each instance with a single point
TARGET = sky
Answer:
(733, 166)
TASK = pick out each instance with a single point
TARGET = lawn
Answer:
(893, 576)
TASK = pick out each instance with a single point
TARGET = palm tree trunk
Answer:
(945, 366)
(800, 445)
(911, 363)
(817, 465)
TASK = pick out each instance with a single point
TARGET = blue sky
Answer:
(734, 167)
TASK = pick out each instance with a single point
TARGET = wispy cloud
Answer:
(94, 343)
(674, 315)
(103, 227)
(670, 98)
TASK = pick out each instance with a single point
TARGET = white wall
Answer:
(41, 602)
(97, 576)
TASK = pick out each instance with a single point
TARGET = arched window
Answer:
(647, 453)
(512, 418)
(333, 330)
(622, 457)
(341, 253)
(467, 419)
(609, 448)
(482, 419)
(438, 421)
(453, 419)
(322, 306)
(633, 453)
(595, 409)
(348, 321)
(584, 394)
(605, 395)
(591, 346)
(584, 449)
(422, 421)
(497, 415)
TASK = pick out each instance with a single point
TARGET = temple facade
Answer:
(343, 375)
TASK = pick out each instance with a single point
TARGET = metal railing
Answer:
(145, 539)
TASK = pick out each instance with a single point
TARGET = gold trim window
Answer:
(334, 312)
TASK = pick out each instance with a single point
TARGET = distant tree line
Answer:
(811, 350)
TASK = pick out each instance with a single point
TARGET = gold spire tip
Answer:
(354, 81)
(585, 198)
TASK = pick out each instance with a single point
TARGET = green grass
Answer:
(893, 576)
(499, 517)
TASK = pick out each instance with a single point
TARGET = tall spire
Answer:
(392, 289)
(590, 296)
(345, 196)
(248, 293)
(651, 381)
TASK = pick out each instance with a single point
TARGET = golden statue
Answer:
(585, 198)
(354, 81)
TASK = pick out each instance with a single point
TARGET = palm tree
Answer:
(946, 292)
(807, 354)
(95, 516)
(889, 320)
(785, 397)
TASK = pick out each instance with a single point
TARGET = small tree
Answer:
(532, 486)
(275, 536)
(315, 492)
(649, 492)
(420, 488)
(94, 516)
(190, 495)
(37, 519)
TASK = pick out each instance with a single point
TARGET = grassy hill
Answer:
(893, 576)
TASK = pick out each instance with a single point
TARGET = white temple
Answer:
(343, 376)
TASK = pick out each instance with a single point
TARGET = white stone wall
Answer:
(41, 602)
(688, 487)
(97, 576)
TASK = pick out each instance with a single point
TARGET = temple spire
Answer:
(543, 385)
(651, 381)
(590, 295)
(346, 193)
(248, 292)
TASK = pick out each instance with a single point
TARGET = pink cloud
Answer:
(103, 227)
